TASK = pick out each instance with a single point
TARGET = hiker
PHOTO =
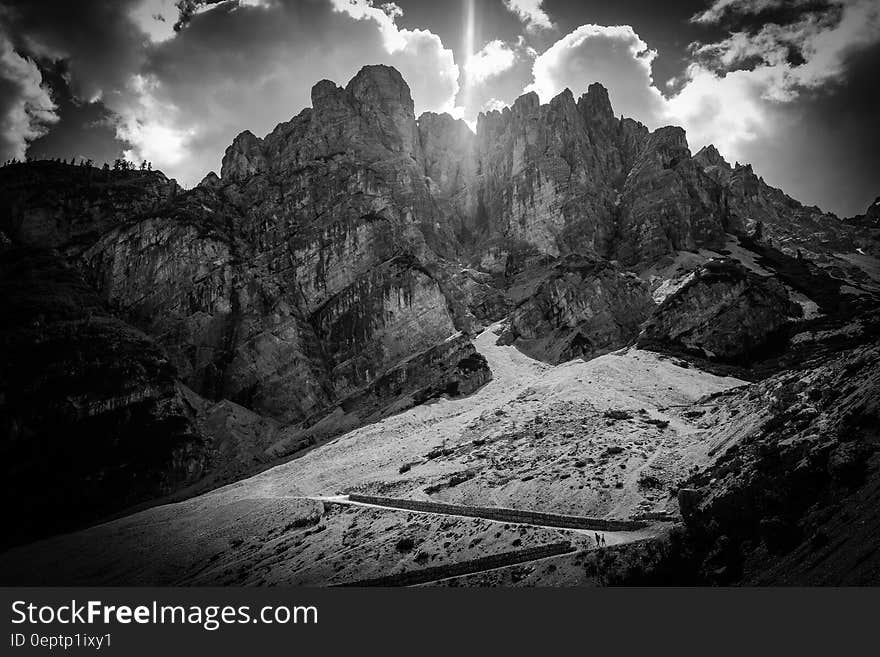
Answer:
(598, 540)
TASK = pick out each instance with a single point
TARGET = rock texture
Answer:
(868, 235)
(723, 312)
(668, 202)
(794, 500)
(581, 308)
(752, 206)
(873, 211)
(549, 175)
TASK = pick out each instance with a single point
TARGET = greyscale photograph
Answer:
(465, 293)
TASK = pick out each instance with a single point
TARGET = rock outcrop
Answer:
(794, 500)
(48, 205)
(868, 235)
(723, 312)
(668, 203)
(580, 308)
(873, 211)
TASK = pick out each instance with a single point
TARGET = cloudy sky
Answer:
(787, 85)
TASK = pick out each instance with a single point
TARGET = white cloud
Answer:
(725, 111)
(26, 109)
(493, 104)
(614, 56)
(493, 59)
(141, 124)
(531, 13)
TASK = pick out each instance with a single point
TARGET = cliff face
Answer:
(60, 206)
(668, 203)
(570, 177)
(549, 175)
(91, 414)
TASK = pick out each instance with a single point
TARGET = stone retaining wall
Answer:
(502, 514)
(499, 560)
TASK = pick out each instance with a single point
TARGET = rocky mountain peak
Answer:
(382, 86)
(448, 151)
(562, 111)
(323, 93)
(434, 122)
(244, 157)
(713, 164)
(564, 97)
(566, 176)
(210, 180)
(709, 156)
(670, 143)
(385, 102)
(670, 136)
(526, 104)
(595, 106)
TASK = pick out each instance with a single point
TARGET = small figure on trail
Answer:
(598, 539)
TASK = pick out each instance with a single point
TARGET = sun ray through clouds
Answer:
(468, 48)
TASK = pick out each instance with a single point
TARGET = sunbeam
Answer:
(467, 48)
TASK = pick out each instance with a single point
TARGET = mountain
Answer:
(339, 270)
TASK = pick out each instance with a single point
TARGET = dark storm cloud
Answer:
(93, 43)
(85, 130)
(735, 15)
(100, 42)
